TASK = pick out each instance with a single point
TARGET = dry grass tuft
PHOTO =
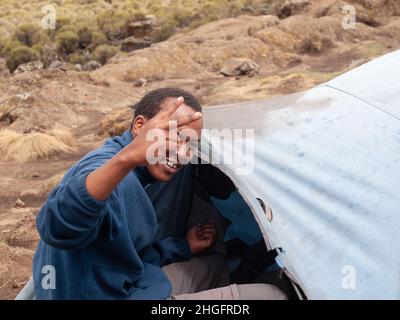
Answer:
(63, 135)
(24, 147)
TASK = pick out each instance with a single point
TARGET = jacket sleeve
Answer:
(71, 217)
(172, 250)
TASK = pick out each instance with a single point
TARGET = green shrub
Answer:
(166, 30)
(19, 55)
(67, 42)
(96, 25)
(48, 54)
(85, 36)
(98, 38)
(78, 58)
(6, 46)
(62, 22)
(104, 52)
(29, 34)
(114, 23)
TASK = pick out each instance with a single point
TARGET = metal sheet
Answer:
(328, 165)
(376, 82)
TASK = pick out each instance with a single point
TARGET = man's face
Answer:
(176, 159)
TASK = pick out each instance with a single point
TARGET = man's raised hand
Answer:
(136, 153)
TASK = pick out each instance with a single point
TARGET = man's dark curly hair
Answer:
(151, 103)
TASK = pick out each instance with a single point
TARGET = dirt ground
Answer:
(91, 105)
(18, 235)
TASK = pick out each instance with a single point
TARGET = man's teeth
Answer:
(172, 165)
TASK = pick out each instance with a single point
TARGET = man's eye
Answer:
(183, 137)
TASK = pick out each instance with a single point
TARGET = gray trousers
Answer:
(207, 278)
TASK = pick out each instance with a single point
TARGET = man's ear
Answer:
(138, 124)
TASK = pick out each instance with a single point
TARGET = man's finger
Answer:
(201, 231)
(209, 225)
(207, 234)
(188, 119)
(209, 237)
(202, 234)
(174, 105)
(172, 125)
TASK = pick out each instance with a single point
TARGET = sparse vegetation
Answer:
(67, 42)
(21, 54)
(97, 26)
(29, 34)
(104, 52)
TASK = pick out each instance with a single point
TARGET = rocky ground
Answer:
(235, 59)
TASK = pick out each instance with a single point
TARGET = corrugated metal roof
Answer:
(328, 165)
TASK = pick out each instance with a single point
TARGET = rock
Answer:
(12, 115)
(28, 67)
(291, 7)
(19, 203)
(140, 83)
(29, 194)
(91, 65)
(23, 97)
(142, 28)
(78, 67)
(57, 64)
(368, 18)
(133, 43)
(372, 4)
(239, 66)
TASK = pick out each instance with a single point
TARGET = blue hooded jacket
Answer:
(103, 249)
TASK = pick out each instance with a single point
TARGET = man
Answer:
(98, 227)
